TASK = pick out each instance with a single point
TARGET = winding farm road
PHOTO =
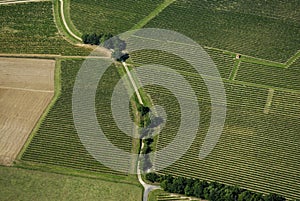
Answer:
(64, 21)
(133, 83)
(147, 188)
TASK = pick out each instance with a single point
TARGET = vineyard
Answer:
(258, 150)
(255, 50)
(224, 62)
(57, 141)
(230, 25)
(270, 76)
(109, 16)
(24, 30)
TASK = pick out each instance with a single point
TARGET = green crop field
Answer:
(270, 76)
(109, 16)
(258, 149)
(259, 146)
(30, 28)
(57, 142)
(21, 184)
(223, 62)
(231, 25)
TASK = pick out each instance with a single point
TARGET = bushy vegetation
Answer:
(95, 39)
(57, 142)
(30, 28)
(232, 25)
(212, 191)
(109, 16)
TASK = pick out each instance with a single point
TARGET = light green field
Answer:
(27, 185)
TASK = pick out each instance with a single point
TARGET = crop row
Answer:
(57, 142)
(256, 151)
(270, 76)
(109, 16)
(224, 28)
(223, 62)
(23, 30)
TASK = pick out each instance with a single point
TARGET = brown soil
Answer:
(26, 88)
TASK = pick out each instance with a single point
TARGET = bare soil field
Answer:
(26, 88)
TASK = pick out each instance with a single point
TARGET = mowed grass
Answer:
(256, 151)
(22, 184)
(57, 142)
(30, 28)
(109, 16)
(231, 25)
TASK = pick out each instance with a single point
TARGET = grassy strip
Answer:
(60, 25)
(68, 18)
(292, 59)
(235, 69)
(262, 61)
(135, 142)
(269, 101)
(77, 173)
(152, 15)
(154, 194)
(57, 92)
(250, 59)
(244, 58)
(37, 185)
(261, 86)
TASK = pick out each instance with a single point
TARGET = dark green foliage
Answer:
(212, 191)
(274, 197)
(95, 39)
(152, 177)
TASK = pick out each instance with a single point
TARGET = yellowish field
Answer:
(26, 88)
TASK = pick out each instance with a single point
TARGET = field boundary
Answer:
(235, 69)
(152, 15)
(269, 101)
(76, 173)
(60, 25)
(62, 14)
(57, 92)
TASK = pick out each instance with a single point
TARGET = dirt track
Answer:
(26, 88)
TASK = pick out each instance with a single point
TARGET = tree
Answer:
(189, 188)
(153, 177)
(274, 197)
(179, 184)
(199, 187)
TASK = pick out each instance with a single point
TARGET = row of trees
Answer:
(212, 191)
(95, 39)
